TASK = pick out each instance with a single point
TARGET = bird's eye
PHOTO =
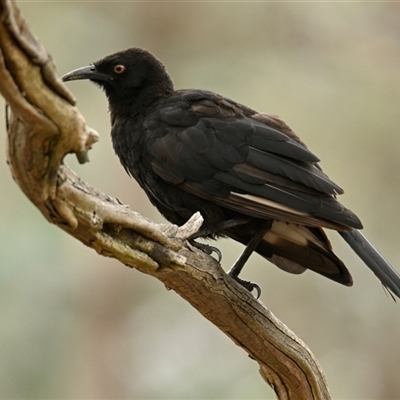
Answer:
(119, 68)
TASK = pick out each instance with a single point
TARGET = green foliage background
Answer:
(76, 325)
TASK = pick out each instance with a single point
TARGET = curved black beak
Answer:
(88, 72)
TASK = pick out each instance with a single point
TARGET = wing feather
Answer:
(252, 163)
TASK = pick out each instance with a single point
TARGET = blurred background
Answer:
(76, 325)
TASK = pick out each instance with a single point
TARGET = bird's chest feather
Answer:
(131, 142)
(128, 142)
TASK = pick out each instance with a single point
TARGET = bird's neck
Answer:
(128, 112)
(137, 102)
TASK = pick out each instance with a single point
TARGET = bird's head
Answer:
(127, 76)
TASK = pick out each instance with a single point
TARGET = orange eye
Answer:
(119, 69)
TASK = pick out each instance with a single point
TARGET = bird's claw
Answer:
(206, 248)
(250, 286)
(218, 253)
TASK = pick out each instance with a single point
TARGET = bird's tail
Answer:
(381, 268)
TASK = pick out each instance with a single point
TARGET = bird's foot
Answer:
(206, 248)
(250, 286)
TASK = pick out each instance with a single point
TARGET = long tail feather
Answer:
(381, 268)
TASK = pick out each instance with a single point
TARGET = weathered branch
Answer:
(43, 126)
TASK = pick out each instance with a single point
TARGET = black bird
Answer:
(248, 173)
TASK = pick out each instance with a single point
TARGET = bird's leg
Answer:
(213, 229)
(241, 261)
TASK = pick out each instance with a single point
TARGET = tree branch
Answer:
(43, 126)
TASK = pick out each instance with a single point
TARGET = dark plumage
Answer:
(248, 173)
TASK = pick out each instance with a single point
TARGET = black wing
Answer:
(252, 163)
